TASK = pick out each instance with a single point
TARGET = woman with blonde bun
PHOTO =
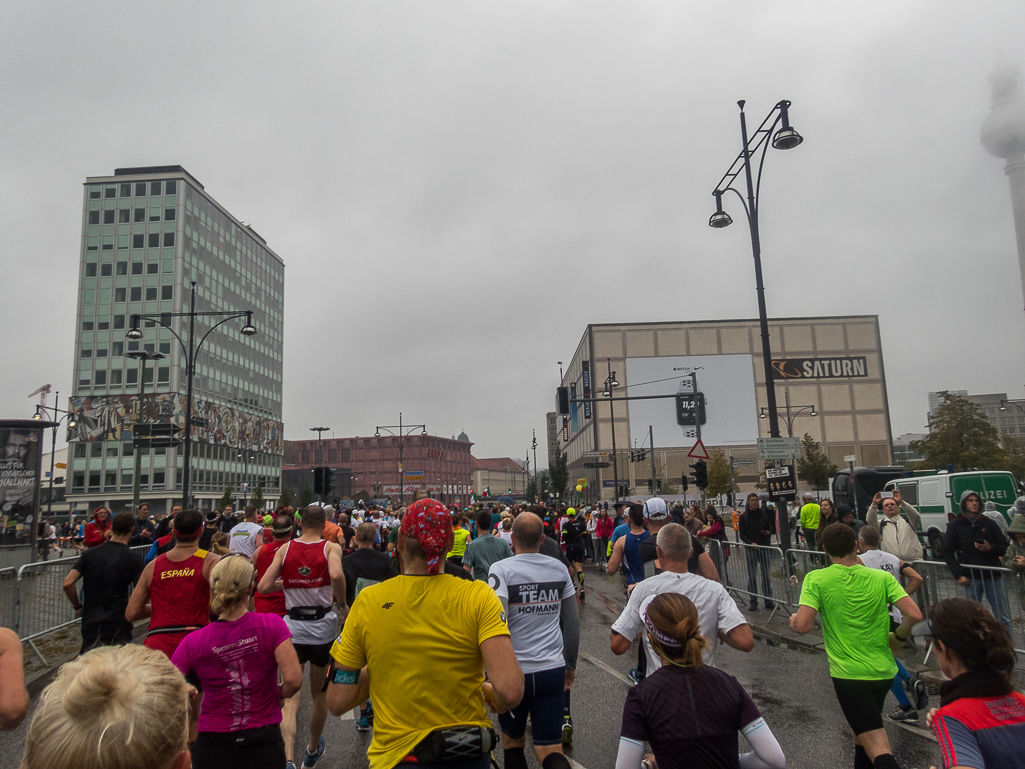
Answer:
(116, 707)
(689, 712)
(235, 663)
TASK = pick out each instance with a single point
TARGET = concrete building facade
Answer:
(833, 364)
(148, 235)
(500, 475)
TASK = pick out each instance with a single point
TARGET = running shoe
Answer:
(567, 730)
(362, 724)
(290, 765)
(921, 693)
(312, 758)
(902, 716)
(582, 596)
(370, 712)
(634, 675)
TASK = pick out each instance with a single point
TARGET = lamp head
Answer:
(249, 329)
(37, 414)
(377, 433)
(720, 218)
(1003, 407)
(72, 423)
(814, 413)
(424, 431)
(134, 332)
(786, 138)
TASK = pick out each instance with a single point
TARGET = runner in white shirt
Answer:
(539, 595)
(245, 537)
(717, 611)
(504, 530)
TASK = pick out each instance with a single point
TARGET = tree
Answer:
(306, 495)
(558, 473)
(285, 500)
(228, 498)
(960, 435)
(544, 485)
(720, 474)
(1014, 457)
(664, 486)
(814, 467)
(258, 497)
(531, 491)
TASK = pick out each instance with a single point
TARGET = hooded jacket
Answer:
(991, 512)
(959, 543)
(1018, 508)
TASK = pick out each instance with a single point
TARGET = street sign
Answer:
(781, 482)
(742, 460)
(779, 448)
(596, 464)
(611, 484)
(699, 451)
(850, 458)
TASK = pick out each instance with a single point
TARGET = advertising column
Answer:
(20, 458)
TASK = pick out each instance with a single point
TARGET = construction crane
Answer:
(43, 392)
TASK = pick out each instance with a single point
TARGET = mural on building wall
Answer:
(111, 418)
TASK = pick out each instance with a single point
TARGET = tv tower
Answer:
(1003, 135)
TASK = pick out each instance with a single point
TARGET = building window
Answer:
(168, 239)
(110, 191)
(132, 376)
(138, 241)
(158, 479)
(154, 240)
(126, 190)
(124, 216)
(126, 481)
(115, 376)
(78, 481)
(122, 268)
(106, 270)
(171, 187)
(94, 193)
(79, 451)
(136, 294)
(91, 244)
(154, 213)
(168, 214)
(94, 481)
(167, 292)
(90, 270)
(140, 189)
(119, 321)
(136, 268)
(95, 450)
(100, 378)
(103, 325)
(164, 374)
(119, 295)
(108, 243)
(165, 348)
(151, 293)
(154, 188)
(117, 349)
(86, 353)
(152, 268)
(110, 481)
(94, 217)
(140, 214)
(101, 352)
(108, 216)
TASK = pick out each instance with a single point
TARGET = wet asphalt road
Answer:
(791, 688)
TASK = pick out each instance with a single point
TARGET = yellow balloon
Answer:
(579, 487)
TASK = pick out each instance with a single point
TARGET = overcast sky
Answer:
(458, 188)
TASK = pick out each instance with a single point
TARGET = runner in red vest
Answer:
(309, 569)
(272, 603)
(174, 591)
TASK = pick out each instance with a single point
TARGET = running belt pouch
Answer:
(308, 613)
(456, 743)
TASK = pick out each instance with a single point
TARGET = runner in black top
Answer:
(573, 532)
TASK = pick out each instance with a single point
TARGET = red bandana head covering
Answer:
(430, 523)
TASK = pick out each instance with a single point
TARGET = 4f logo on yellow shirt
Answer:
(388, 605)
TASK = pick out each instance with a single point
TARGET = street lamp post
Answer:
(784, 139)
(190, 352)
(533, 445)
(610, 384)
(790, 418)
(319, 453)
(401, 435)
(142, 356)
(40, 415)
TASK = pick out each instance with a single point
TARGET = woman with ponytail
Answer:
(689, 712)
(116, 707)
(235, 663)
(981, 719)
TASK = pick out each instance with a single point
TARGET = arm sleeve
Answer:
(767, 752)
(634, 726)
(999, 540)
(950, 549)
(914, 517)
(570, 621)
(631, 753)
(809, 593)
(872, 515)
(153, 551)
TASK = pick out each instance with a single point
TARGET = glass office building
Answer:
(148, 235)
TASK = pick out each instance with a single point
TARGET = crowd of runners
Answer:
(424, 618)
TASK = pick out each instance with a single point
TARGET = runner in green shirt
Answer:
(854, 603)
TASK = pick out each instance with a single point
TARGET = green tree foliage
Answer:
(814, 467)
(1014, 456)
(720, 474)
(306, 495)
(960, 436)
(285, 500)
(665, 485)
(558, 473)
(228, 497)
(258, 497)
(544, 484)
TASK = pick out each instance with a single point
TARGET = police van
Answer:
(936, 494)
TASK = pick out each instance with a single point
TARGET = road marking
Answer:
(607, 668)
(350, 715)
(575, 764)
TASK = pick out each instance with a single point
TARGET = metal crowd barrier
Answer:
(33, 602)
(999, 590)
(754, 571)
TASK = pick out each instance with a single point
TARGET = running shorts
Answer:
(862, 702)
(575, 553)
(239, 750)
(543, 698)
(315, 654)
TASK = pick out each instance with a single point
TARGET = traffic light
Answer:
(683, 482)
(328, 482)
(318, 480)
(562, 398)
(700, 474)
